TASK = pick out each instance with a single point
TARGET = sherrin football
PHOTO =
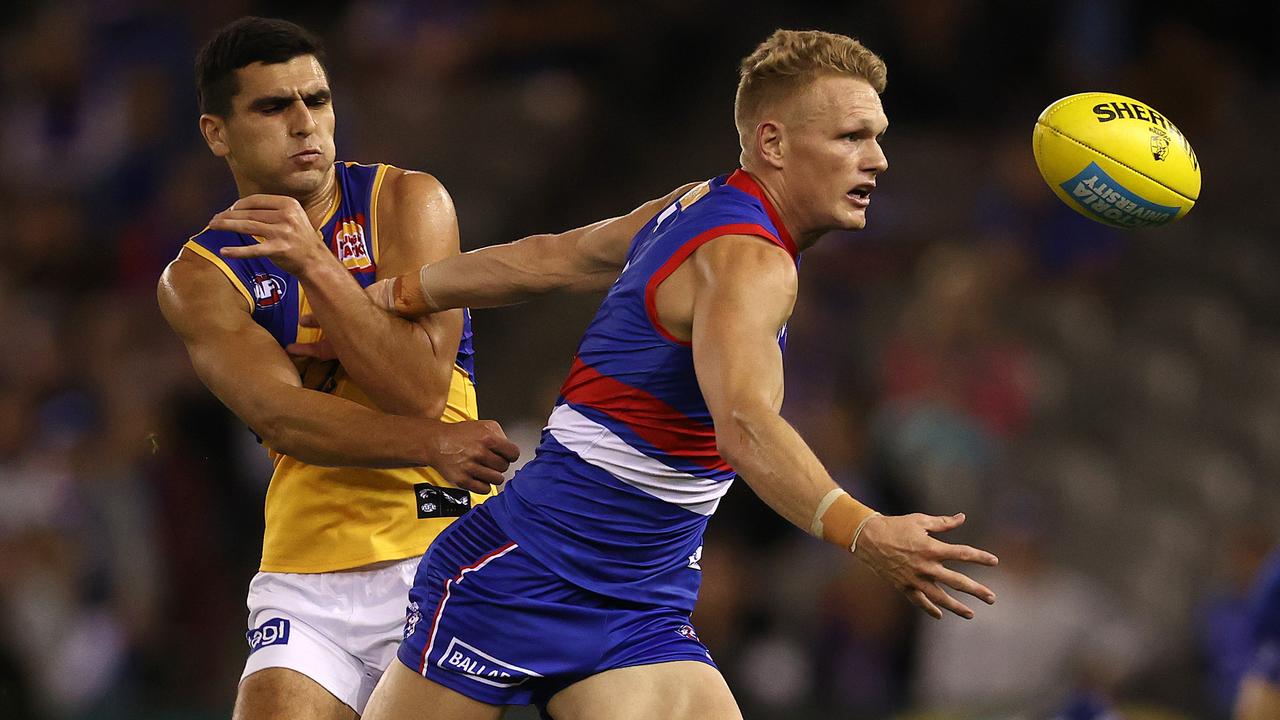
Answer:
(1116, 160)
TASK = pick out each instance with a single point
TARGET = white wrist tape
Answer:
(816, 526)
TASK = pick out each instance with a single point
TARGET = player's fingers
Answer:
(492, 460)
(267, 217)
(942, 599)
(263, 201)
(965, 553)
(308, 320)
(244, 227)
(261, 249)
(505, 449)
(467, 483)
(485, 475)
(964, 584)
(943, 523)
(919, 599)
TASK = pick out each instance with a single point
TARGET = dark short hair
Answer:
(242, 43)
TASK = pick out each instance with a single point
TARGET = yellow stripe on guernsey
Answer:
(221, 264)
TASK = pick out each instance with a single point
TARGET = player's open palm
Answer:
(284, 232)
(473, 454)
(901, 549)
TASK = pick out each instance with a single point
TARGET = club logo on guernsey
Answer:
(482, 667)
(348, 240)
(272, 632)
(268, 290)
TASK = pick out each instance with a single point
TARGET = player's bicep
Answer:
(744, 292)
(418, 225)
(237, 359)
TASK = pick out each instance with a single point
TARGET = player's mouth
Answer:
(308, 155)
(860, 195)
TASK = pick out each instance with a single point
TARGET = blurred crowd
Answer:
(1104, 406)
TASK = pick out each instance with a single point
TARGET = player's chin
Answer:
(305, 180)
(853, 219)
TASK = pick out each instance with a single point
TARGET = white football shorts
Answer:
(340, 629)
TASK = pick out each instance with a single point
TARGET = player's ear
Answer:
(769, 142)
(214, 130)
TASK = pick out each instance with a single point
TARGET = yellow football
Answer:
(1116, 160)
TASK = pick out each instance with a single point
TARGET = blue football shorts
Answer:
(489, 621)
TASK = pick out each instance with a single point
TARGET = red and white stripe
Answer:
(599, 446)
(448, 585)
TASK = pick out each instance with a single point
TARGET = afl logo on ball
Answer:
(268, 290)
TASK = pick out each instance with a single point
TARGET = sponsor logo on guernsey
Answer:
(268, 290)
(272, 632)
(1100, 195)
(412, 616)
(689, 632)
(477, 665)
(434, 501)
(348, 240)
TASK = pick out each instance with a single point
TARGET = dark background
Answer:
(1105, 406)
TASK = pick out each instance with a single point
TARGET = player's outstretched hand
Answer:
(472, 454)
(284, 232)
(900, 549)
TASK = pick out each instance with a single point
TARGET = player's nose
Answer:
(875, 161)
(302, 121)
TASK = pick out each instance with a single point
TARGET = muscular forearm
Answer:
(775, 461)
(393, 360)
(502, 275)
(316, 428)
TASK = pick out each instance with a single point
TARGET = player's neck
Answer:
(770, 186)
(317, 204)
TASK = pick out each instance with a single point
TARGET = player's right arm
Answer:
(584, 259)
(250, 373)
(743, 291)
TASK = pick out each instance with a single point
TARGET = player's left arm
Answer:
(744, 292)
(584, 259)
(404, 366)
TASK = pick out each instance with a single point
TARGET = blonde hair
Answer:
(790, 59)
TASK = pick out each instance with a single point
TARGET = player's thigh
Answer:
(683, 690)
(282, 694)
(405, 695)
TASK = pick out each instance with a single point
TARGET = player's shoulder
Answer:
(408, 189)
(214, 240)
(200, 273)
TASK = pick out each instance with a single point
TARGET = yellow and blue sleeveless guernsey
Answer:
(322, 519)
